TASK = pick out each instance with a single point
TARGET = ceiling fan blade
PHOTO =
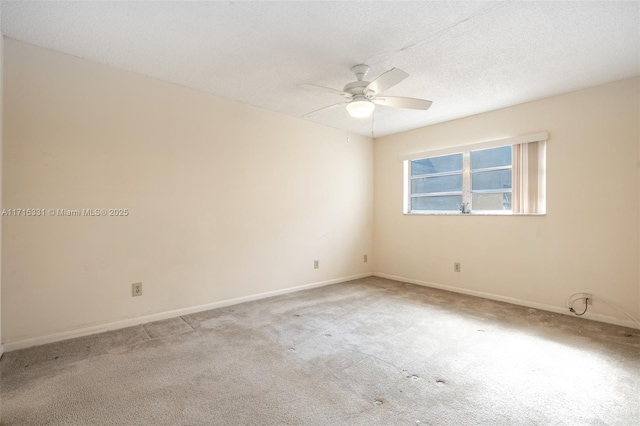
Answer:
(326, 89)
(398, 102)
(386, 80)
(327, 108)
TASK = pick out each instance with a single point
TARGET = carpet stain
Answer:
(378, 401)
(441, 382)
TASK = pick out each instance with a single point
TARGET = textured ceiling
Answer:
(467, 57)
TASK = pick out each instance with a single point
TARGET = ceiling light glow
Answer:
(360, 107)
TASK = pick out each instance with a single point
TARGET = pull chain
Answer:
(373, 114)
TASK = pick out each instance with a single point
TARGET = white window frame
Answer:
(469, 198)
(465, 150)
(410, 177)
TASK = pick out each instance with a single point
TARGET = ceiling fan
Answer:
(363, 96)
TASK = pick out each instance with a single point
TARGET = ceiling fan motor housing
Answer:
(356, 88)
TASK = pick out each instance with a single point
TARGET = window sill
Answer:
(471, 214)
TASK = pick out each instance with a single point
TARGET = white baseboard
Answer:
(99, 328)
(551, 308)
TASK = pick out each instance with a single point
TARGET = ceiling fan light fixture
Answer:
(362, 96)
(360, 107)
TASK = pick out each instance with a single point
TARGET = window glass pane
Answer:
(445, 202)
(496, 179)
(493, 157)
(442, 164)
(450, 183)
(491, 201)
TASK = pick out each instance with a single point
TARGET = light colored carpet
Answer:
(366, 352)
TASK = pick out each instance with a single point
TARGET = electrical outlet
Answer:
(457, 267)
(136, 289)
(366, 259)
(316, 264)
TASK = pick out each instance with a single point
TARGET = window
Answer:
(491, 181)
(500, 179)
(436, 183)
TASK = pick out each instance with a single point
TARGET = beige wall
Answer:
(1, 97)
(225, 200)
(228, 201)
(588, 241)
